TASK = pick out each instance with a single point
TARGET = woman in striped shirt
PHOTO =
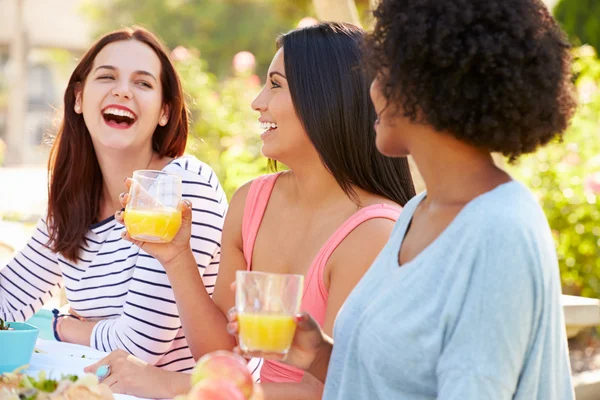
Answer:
(326, 218)
(123, 111)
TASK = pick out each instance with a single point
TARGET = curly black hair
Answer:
(495, 74)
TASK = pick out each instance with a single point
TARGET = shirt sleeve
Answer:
(30, 279)
(150, 320)
(209, 205)
(486, 344)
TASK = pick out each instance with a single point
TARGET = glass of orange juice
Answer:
(267, 305)
(152, 213)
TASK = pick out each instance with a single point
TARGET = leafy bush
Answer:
(565, 177)
(581, 20)
(224, 129)
(218, 28)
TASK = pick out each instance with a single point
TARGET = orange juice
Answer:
(268, 333)
(159, 225)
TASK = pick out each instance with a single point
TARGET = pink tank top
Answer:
(314, 299)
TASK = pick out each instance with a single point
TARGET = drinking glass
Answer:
(153, 213)
(267, 304)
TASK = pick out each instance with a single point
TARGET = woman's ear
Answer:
(78, 94)
(164, 116)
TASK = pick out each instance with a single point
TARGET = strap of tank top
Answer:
(374, 211)
(254, 210)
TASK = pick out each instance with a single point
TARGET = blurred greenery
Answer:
(217, 28)
(565, 177)
(581, 20)
(224, 129)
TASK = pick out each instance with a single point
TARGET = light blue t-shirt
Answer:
(476, 315)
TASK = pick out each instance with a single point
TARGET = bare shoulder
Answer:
(371, 234)
(235, 214)
(372, 199)
(360, 248)
(366, 240)
(355, 254)
(238, 200)
(367, 199)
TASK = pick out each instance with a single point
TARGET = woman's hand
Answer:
(165, 253)
(306, 344)
(132, 376)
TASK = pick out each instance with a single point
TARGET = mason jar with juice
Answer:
(152, 213)
(267, 305)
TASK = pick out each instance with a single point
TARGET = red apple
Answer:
(224, 365)
(215, 389)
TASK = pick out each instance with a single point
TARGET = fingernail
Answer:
(189, 203)
(231, 312)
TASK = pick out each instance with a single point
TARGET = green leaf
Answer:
(557, 175)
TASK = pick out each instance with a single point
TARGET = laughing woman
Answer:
(123, 111)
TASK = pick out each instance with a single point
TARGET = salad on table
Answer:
(19, 386)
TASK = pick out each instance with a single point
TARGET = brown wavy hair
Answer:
(74, 176)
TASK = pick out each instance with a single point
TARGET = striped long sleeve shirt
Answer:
(119, 284)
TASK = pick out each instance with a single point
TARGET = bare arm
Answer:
(72, 330)
(203, 323)
(232, 253)
(319, 366)
(204, 319)
(350, 261)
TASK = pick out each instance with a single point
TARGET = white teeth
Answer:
(119, 113)
(268, 125)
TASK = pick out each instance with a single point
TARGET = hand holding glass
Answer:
(152, 213)
(267, 305)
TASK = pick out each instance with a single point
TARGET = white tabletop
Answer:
(58, 358)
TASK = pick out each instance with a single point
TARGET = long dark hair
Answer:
(75, 179)
(330, 93)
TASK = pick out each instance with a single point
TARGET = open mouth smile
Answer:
(268, 126)
(119, 117)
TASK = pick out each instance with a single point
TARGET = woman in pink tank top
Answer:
(326, 218)
(330, 214)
